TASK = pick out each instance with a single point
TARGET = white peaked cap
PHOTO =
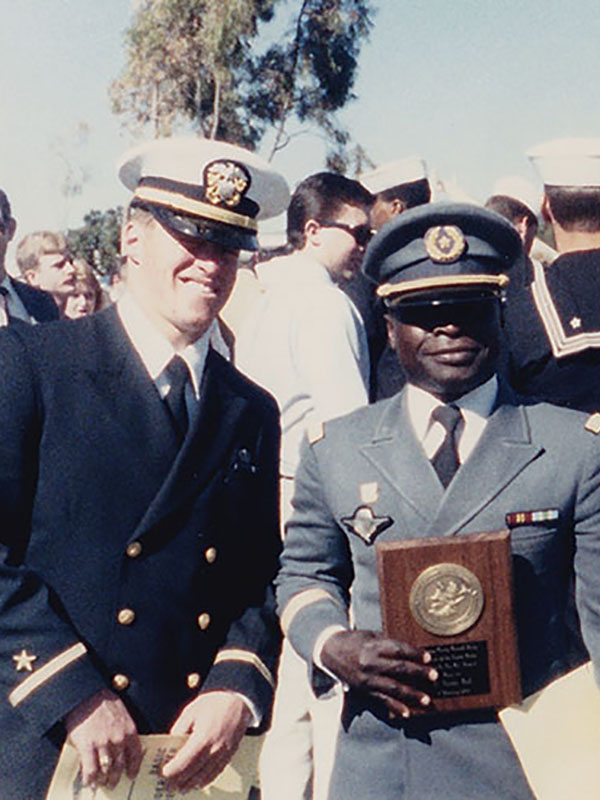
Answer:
(205, 188)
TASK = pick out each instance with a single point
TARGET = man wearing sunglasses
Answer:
(455, 453)
(138, 487)
(305, 343)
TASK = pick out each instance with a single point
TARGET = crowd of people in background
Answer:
(341, 319)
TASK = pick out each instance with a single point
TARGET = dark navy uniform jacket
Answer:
(555, 345)
(38, 304)
(126, 562)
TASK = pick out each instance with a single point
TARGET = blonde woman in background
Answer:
(87, 296)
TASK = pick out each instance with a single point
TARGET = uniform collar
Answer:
(154, 349)
(477, 404)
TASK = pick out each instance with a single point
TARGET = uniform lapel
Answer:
(208, 441)
(396, 453)
(128, 392)
(504, 450)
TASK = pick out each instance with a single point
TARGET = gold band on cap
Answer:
(179, 202)
(442, 282)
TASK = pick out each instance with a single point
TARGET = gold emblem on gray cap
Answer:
(446, 599)
(226, 182)
(444, 243)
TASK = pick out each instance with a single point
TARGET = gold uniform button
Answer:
(204, 621)
(126, 616)
(134, 549)
(193, 680)
(211, 555)
(120, 682)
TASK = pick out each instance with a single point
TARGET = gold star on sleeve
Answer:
(24, 661)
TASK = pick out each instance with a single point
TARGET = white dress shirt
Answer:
(304, 342)
(14, 304)
(156, 351)
(476, 407)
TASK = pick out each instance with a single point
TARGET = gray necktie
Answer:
(445, 461)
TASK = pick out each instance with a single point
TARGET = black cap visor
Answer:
(187, 226)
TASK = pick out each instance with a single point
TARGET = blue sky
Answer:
(468, 84)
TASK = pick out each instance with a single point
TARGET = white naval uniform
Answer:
(305, 343)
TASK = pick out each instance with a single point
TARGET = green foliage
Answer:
(185, 61)
(198, 63)
(98, 240)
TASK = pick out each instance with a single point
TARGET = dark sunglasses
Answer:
(362, 233)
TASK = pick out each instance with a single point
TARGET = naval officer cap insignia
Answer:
(442, 252)
(568, 162)
(204, 189)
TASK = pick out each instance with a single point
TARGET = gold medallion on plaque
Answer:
(444, 243)
(446, 599)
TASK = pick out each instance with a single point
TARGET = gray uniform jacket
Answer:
(528, 458)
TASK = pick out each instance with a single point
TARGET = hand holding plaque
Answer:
(454, 596)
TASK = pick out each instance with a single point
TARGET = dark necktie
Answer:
(178, 375)
(445, 461)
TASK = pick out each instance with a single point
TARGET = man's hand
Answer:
(106, 739)
(216, 722)
(393, 672)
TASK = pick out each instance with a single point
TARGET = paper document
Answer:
(234, 783)
(556, 733)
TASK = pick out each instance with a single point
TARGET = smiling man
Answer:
(138, 482)
(453, 453)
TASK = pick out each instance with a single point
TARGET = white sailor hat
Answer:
(568, 162)
(394, 173)
(205, 189)
(518, 189)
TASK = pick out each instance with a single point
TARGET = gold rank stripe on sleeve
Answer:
(235, 654)
(180, 202)
(561, 343)
(45, 673)
(300, 601)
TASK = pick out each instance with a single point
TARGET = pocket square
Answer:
(243, 461)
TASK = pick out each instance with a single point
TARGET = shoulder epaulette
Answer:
(592, 423)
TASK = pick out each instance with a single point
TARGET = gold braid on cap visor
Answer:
(443, 282)
(179, 202)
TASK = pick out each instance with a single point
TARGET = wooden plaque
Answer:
(454, 596)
